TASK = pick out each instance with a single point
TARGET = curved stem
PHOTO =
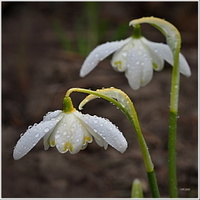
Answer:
(132, 116)
(173, 38)
(146, 156)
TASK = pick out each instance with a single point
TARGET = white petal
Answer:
(89, 131)
(31, 137)
(69, 134)
(139, 71)
(157, 60)
(98, 54)
(164, 51)
(106, 130)
(51, 115)
(119, 59)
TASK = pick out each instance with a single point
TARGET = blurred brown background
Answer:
(43, 47)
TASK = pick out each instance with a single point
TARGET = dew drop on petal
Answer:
(95, 121)
(77, 140)
(37, 135)
(46, 130)
(138, 62)
(156, 50)
(57, 136)
(125, 53)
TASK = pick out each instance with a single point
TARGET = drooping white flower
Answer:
(137, 57)
(71, 132)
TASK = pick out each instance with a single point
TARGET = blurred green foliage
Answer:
(90, 30)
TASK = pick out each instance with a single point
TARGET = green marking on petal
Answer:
(155, 66)
(118, 64)
(68, 146)
(87, 139)
(52, 143)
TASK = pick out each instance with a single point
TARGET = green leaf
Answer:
(136, 191)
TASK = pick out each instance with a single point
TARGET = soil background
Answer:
(41, 58)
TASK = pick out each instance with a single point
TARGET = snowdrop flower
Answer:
(70, 130)
(137, 57)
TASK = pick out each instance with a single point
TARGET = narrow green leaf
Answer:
(136, 191)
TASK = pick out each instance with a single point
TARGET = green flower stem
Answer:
(137, 32)
(175, 84)
(173, 38)
(172, 156)
(153, 184)
(146, 156)
(67, 105)
(132, 116)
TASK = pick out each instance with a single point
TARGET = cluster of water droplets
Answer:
(70, 134)
(34, 133)
(98, 54)
(109, 132)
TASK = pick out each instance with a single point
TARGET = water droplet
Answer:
(46, 130)
(138, 62)
(57, 136)
(95, 121)
(35, 129)
(65, 133)
(124, 53)
(37, 135)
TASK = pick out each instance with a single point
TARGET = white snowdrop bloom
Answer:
(70, 131)
(137, 57)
